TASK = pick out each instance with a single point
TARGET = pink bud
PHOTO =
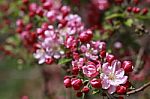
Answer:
(79, 94)
(19, 23)
(144, 11)
(67, 82)
(47, 5)
(86, 36)
(76, 83)
(75, 70)
(127, 66)
(39, 11)
(129, 9)
(103, 53)
(85, 89)
(49, 60)
(110, 58)
(121, 90)
(96, 83)
(136, 10)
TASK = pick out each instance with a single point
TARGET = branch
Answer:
(139, 89)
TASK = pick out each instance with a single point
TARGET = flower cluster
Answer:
(97, 70)
(65, 36)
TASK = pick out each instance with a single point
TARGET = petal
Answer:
(115, 65)
(83, 48)
(42, 60)
(111, 89)
(120, 73)
(93, 57)
(105, 84)
(39, 53)
(106, 69)
(118, 81)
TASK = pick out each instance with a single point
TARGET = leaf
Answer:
(129, 22)
(115, 15)
(64, 60)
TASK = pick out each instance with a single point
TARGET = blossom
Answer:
(91, 50)
(91, 69)
(73, 24)
(50, 45)
(112, 76)
(71, 42)
(78, 63)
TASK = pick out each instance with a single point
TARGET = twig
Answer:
(110, 96)
(139, 89)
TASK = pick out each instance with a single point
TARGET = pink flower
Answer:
(91, 69)
(92, 49)
(71, 42)
(112, 76)
(74, 24)
(89, 52)
(49, 46)
(78, 63)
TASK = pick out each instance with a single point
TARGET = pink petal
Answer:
(83, 48)
(116, 64)
(111, 89)
(106, 69)
(120, 73)
(105, 84)
(118, 81)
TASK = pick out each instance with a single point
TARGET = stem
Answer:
(110, 96)
(139, 89)
(83, 95)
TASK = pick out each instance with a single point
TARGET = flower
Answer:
(78, 63)
(112, 76)
(49, 46)
(71, 42)
(91, 69)
(91, 50)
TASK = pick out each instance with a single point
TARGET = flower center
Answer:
(111, 76)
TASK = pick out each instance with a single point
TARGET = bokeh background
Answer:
(20, 75)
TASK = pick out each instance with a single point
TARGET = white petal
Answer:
(42, 60)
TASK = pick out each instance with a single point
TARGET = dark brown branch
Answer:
(139, 89)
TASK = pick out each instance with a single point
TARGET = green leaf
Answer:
(129, 22)
(115, 15)
(64, 60)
